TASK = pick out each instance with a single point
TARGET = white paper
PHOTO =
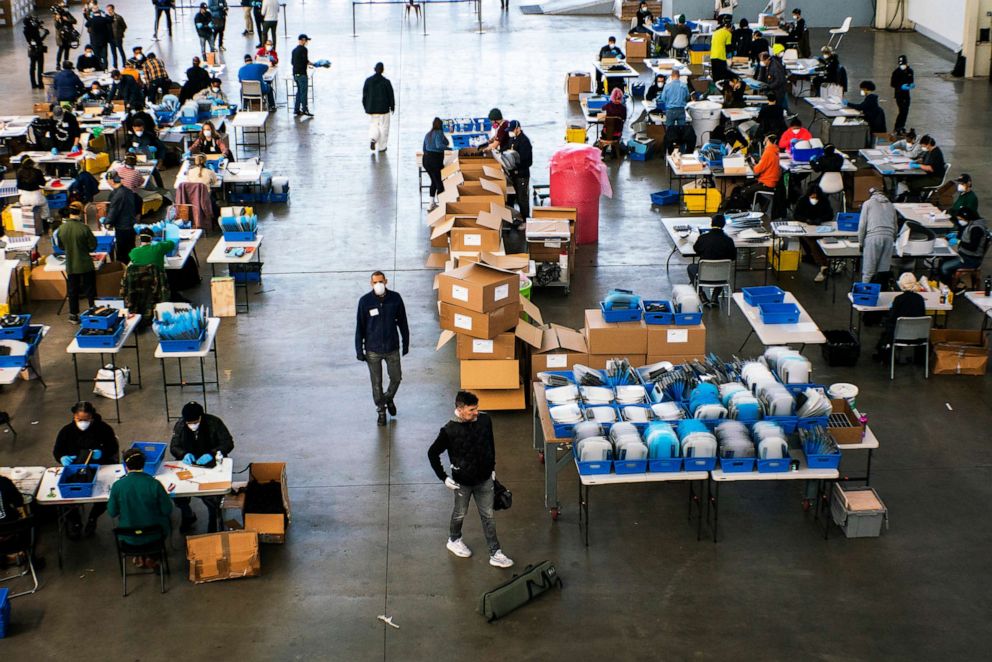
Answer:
(473, 239)
(459, 292)
(557, 361)
(373, 312)
(678, 335)
(501, 292)
(463, 322)
(482, 346)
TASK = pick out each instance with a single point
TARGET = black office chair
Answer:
(153, 548)
(17, 537)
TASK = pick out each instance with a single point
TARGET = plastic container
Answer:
(240, 236)
(666, 197)
(185, 345)
(699, 463)
(844, 391)
(578, 178)
(4, 611)
(592, 468)
(16, 332)
(787, 423)
(665, 465)
(620, 314)
(737, 465)
(858, 511)
(100, 322)
(848, 221)
(804, 155)
(825, 461)
(700, 200)
(688, 319)
(774, 466)
(779, 313)
(101, 341)
(659, 317)
(754, 296)
(154, 452)
(705, 117)
(865, 294)
(596, 101)
(841, 349)
(76, 490)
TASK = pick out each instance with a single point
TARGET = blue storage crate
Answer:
(805, 155)
(592, 468)
(154, 452)
(656, 317)
(242, 198)
(796, 389)
(100, 322)
(240, 236)
(827, 461)
(16, 332)
(637, 147)
(666, 197)
(699, 463)
(76, 490)
(638, 156)
(277, 197)
(787, 423)
(813, 422)
(865, 294)
(596, 101)
(241, 275)
(563, 430)
(630, 466)
(776, 466)
(621, 314)
(848, 221)
(57, 200)
(606, 426)
(737, 465)
(754, 296)
(105, 243)
(4, 611)
(566, 374)
(665, 465)
(688, 319)
(779, 313)
(165, 116)
(104, 341)
(185, 345)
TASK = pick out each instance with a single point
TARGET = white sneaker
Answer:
(821, 276)
(500, 560)
(460, 549)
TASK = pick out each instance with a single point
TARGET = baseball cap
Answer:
(303, 36)
(514, 125)
(192, 411)
(965, 178)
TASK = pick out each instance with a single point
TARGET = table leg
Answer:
(60, 517)
(203, 383)
(75, 370)
(868, 469)
(137, 356)
(165, 389)
(585, 505)
(113, 376)
(716, 510)
(745, 341)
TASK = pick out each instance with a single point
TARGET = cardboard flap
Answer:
(436, 261)
(493, 172)
(489, 220)
(531, 309)
(530, 333)
(491, 186)
(452, 170)
(449, 194)
(502, 211)
(570, 339)
(444, 338)
(509, 263)
(435, 216)
(443, 227)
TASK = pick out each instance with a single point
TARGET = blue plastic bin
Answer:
(656, 317)
(828, 461)
(755, 296)
(185, 345)
(277, 197)
(848, 221)
(621, 314)
(57, 200)
(76, 490)
(596, 468)
(4, 611)
(776, 466)
(597, 101)
(666, 197)
(699, 463)
(105, 243)
(98, 322)
(16, 332)
(737, 465)
(665, 465)
(779, 313)
(154, 452)
(240, 236)
(104, 341)
(688, 319)
(865, 294)
(805, 155)
(630, 466)
(787, 423)
(638, 156)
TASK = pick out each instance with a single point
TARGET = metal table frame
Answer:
(182, 383)
(112, 352)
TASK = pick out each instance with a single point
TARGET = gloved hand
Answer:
(905, 86)
(97, 453)
(450, 483)
(406, 350)
(915, 166)
(204, 459)
(189, 459)
(844, 102)
(66, 460)
(361, 357)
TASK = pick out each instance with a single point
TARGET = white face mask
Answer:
(813, 201)
(961, 188)
(94, 92)
(139, 133)
(207, 133)
(193, 426)
(903, 67)
(864, 92)
(379, 288)
(83, 425)
(796, 130)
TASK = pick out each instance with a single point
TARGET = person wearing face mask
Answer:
(381, 325)
(85, 433)
(78, 241)
(156, 77)
(35, 34)
(126, 89)
(973, 242)
(828, 70)
(468, 440)
(876, 234)
(966, 198)
(902, 81)
(209, 142)
(67, 135)
(252, 70)
(910, 303)
(213, 94)
(122, 213)
(795, 132)
(655, 88)
(196, 439)
(101, 28)
(733, 92)
(931, 162)
(798, 34)
(197, 78)
(814, 209)
(144, 140)
(137, 59)
(267, 53)
(88, 61)
(118, 28)
(718, 49)
(909, 145)
(869, 107)
(520, 176)
(138, 501)
(96, 95)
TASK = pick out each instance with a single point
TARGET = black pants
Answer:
(117, 46)
(80, 285)
(747, 192)
(219, 32)
(62, 54)
(151, 92)
(902, 103)
(433, 162)
(100, 48)
(521, 187)
(168, 19)
(212, 504)
(718, 69)
(257, 15)
(36, 67)
(124, 244)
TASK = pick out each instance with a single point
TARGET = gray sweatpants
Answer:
(876, 256)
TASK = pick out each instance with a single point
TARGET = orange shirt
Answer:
(768, 171)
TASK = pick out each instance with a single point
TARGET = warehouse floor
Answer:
(370, 518)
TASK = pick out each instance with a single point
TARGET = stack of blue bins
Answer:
(100, 328)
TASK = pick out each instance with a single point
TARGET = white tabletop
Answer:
(891, 164)
(250, 119)
(868, 442)
(831, 107)
(129, 325)
(805, 331)
(921, 211)
(647, 477)
(779, 229)
(803, 473)
(839, 248)
(885, 300)
(740, 114)
(980, 301)
(187, 244)
(56, 263)
(213, 323)
(242, 172)
(108, 474)
(785, 160)
(217, 255)
(48, 157)
(25, 479)
(676, 169)
(684, 243)
(664, 67)
(21, 244)
(627, 72)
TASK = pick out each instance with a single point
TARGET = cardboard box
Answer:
(453, 174)
(673, 359)
(637, 48)
(222, 298)
(47, 285)
(481, 190)
(478, 287)
(503, 346)
(560, 348)
(232, 511)
(664, 340)
(554, 212)
(108, 280)
(618, 339)
(598, 361)
(768, 20)
(226, 555)
(502, 399)
(495, 374)
(479, 325)
(576, 83)
(656, 132)
(853, 432)
(271, 527)
(474, 239)
(959, 352)
(863, 181)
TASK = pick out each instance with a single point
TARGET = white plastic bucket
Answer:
(705, 117)
(844, 391)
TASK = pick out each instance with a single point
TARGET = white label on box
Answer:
(552, 243)
(678, 335)
(473, 239)
(459, 292)
(501, 292)
(463, 322)
(557, 361)
(482, 346)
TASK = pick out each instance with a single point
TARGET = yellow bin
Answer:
(784, 260)
(575, 134)
(698, 57)
(702, 200)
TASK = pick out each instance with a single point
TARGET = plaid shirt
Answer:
(154, 69)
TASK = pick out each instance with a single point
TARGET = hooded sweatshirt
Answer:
(878, 217)
(471, 450)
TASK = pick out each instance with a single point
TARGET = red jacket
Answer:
(785, 142)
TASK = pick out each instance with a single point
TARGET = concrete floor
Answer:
(369, 516)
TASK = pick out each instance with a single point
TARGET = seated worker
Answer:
(932, 162)
(767, 172)
(616, 109)
(655, 89)
(214, 93)
(126, 89)
(30, 182)
(499, 134)
(129, 174)
(199, 173)
(149, 252)
(771, 117)
(973, 241)
(795, 132)
(87, 432)
(829, 161)
(146, 282)
(609, 51)
(138, 501)
(156, 77)
(814, 209)
(908, 146)
(873, 113)
(676, 28)
(96, 95)
(68, 86)
(137, 59)
(907, 304)
(827, 71)
(67, 136)
(675, 96)
(966, 198)
(89, 61)
(644, 19)
(759, 45)
(11, 510)
(196, 439)
(256, 71)
(210, 142)
(713, 244)
(267, 53)
(733, 92)
(145, 141)
(741, 39)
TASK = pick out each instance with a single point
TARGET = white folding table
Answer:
(238, 264)
(884, 304)
(804, 332)
(208, 346)
(130, 324)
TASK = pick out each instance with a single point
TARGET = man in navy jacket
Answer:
(380, 325)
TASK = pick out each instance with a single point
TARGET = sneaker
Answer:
(821, 275)
(73, 319)
(306, 113)
(432, 207)
(155, 38)
(381, 421)
(460, 549)
(372, 145)
(391, 407)
(500, 560)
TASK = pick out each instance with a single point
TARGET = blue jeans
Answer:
(302, 103)
(484, 493)
(952, 264)
(674, 116)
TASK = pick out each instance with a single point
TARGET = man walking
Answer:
(204, 24)
(35, 34)
(301, 63)
(270, 20)
(380, 326)
(377, 98)
(163, 7)
(118, 28)
(246, 10)
(78, 241)
(468, 440)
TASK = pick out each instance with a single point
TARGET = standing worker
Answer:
(377, 98)
(902, 81)
(520, 176)
(66, 36)
(163, 7)
(270, 21)
(468, 440)
(380, 326)
(122, 214)
(204, 24)
(197, 438)
(674, 96)
(35, 34)
(718, 48)
(876, 234)
(300, 59)
(218, 9)
(101, 27)
(117, 27)
(78, 241)
(435, 143)
(246, 10)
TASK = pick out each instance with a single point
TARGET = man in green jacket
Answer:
(138, 500)
(78, 241)
(150, 252)
(966, 196)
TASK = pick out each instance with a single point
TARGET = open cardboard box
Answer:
(271, 527)
(225, 555)
(481, 190)
(486, 326)
(503, 346)
(959, 351)
(479, 287)
(557, 348)
(853, 432)
(490, 374)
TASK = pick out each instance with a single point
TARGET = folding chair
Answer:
(251, 92)
(911, 332)
(839, 33)
(21, 532)
(155, 547)
(716, 275)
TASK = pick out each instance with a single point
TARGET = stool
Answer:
(973, 276)
(768, 196)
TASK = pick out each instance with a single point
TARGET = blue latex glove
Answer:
(906, 87)
(97, 453)
(66, 460)
(189, 459)
(844, 102)
(912, 86)
(204, 459)
(915, 166)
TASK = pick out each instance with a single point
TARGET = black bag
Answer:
(502, 497)
(518, 591)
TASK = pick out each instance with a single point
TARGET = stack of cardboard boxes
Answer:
(641, 343)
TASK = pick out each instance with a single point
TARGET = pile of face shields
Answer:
(618, 371)
(636, 414)
(655, 371)
(596, 395)
(812, 403)
(631, 395)
(588, 376)
(741, 404)
(567, 414)
(627, 444)
(243, 223)
(696, 439)
(685, 299)
(181, 324)
(661, 440)
(704, 402)
(770, 440)
(733, 440)
(621, 300)
(817, 441)
(790, 366)
(667, 411)
(561, 395)
(590, 444)
(775, 399)
(603, 415)
(549, 379)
